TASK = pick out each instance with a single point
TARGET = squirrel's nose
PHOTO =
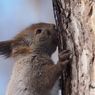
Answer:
(52, 26)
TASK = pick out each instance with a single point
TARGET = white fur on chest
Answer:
(55, 90)
(54, 56)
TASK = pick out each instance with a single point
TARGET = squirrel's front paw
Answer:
(64, 57)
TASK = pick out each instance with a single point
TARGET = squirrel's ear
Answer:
(5, 48)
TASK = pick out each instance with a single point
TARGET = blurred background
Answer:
(16, 15)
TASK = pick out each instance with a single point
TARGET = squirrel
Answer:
(34, 72)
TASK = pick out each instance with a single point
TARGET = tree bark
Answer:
(75, 20)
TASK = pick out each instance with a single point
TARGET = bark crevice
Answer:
(75, 22)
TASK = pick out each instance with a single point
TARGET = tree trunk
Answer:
(75, 20)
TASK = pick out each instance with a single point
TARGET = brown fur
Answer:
(5, 48)
(34, 72)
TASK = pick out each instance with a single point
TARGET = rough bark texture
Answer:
(75, 19)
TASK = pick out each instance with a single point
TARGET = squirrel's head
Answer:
(40, 38)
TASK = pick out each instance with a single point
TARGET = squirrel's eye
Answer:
(38, 31)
